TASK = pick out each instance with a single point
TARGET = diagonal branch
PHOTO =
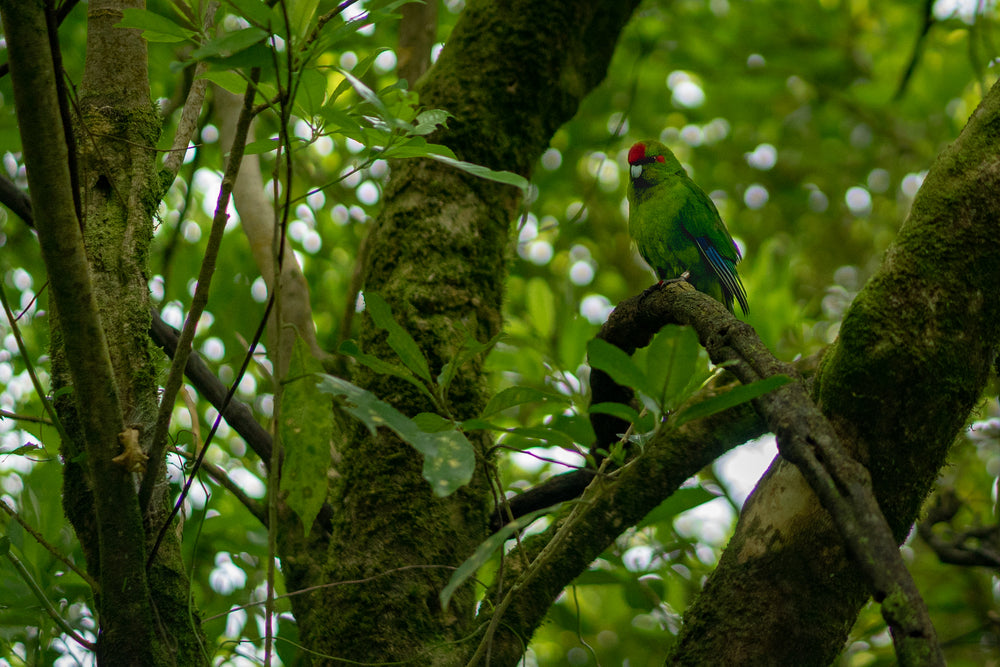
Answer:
(808, 440)
(200, 299)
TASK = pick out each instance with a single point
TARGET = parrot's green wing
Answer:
(701, 222)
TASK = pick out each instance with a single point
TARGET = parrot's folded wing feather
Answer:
(725, 270)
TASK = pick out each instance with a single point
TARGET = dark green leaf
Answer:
(471, 348)
(483, 553)
(229, 43)
(512, 396)
(731, 398)
(155, 28)
(432, 422)
(350, 348)
(619, 410)
(449, 460)
(506, 177)
(681, 501)
(399, 339)
(613, 361)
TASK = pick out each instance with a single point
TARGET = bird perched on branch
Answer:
(677, 227)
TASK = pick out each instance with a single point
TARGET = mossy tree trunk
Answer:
(511, 74)
(95, 245)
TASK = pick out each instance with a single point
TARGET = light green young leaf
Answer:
(399, 339)
(483, 553)
(300, 14)
(155, 28)
(505, 177)
(428, 121)
(227, 80)
(512, 396)
(613, 361)
(306, 425)
(449, 460)
(731, 398)
(541, 303)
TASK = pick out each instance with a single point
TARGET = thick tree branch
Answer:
(842, 484)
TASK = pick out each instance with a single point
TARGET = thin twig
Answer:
(188, 122)
(198, 302)
(48, 547)
(47, 605)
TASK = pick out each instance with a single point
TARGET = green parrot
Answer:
(677, 227)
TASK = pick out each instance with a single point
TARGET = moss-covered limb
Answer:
(607, 507)
(511, 73)
(125, 611)
(912, 359)
(841, 484)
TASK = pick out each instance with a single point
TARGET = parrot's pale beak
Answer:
(636, 170)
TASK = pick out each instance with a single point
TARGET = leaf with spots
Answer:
(306, 426)
(448, 457)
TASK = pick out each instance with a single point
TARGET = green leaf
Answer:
(399, 339)
(432, 422)
(673, 361)
(366, 93)
(261, 146)
(541, 304)
(227, 80)
(505, 177)
(449, 460)
(311, 93)
(620, 410)
(254, 11)
(613, 361)
(155, 28)
(512, 396)
(471, 348)
(350, 348)
(428, 121)
(4, 545)
(23, 449)
(300, 14)
(731, 398)
(229, 43)
(305, 425)
(538, 436)
(680, 501)
(415, 147)
(483, 553)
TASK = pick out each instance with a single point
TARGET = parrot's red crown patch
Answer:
(636, 153)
